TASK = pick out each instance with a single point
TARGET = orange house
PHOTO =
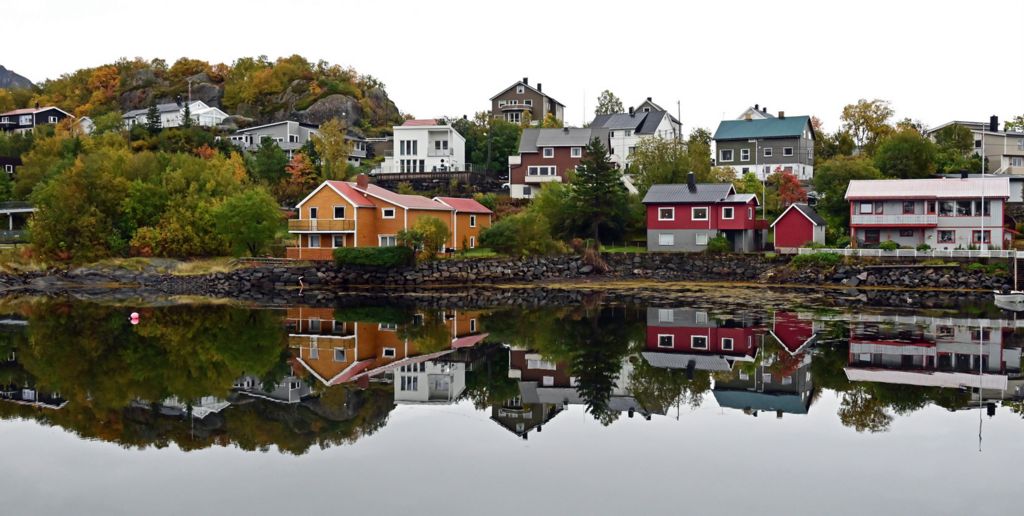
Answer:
(360, 214)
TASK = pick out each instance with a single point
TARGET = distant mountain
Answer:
(10, 80)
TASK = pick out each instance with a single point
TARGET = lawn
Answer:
(479, 252)
(623, 249)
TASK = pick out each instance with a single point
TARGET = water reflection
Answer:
(305, 377)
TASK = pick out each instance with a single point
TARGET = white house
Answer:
(425, 146)
(621, 132)
(172, 114)
(291, 136)
(429, 382)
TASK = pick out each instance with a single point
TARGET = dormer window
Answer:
(520, 89)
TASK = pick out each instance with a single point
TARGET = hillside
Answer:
(10, 80)
(256, 90)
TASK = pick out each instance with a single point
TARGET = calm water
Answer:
(589, 409)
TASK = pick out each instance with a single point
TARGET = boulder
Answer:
(332, 106)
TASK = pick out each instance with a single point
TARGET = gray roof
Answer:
(169, 107)
(641, 122)
(680, 193)
(682, 361)
(811, 214)
(763, 401)
(533, 138)
(651, 122)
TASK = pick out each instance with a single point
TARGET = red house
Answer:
(545, 155)
(684, 338)
(684, 217)
(798, 226)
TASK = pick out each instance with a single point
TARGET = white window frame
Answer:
(472, 326)
(721, 155)
(549, 152)
(671, 340)
(767, 152)
(744, 154)
(862, 205)
(666, 315)
(472, 221)
(293, 138)
(693, 341)
(576, 152)
(666, 239)
(693, 213)
(53, 119)
(1016, 161)
(787, 151)
(702, 239)
(334, 211)
(382, 238)
(9, 169)
(313, 212)
(731, 211)
(310, 239)
(344, 355)
(389, 353)
(670, 208)
(520, 89)
(335, 242)
(472, 242)
(528, 102)
(384, 213)
(727, 343)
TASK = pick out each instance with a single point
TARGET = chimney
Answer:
(963, 174)
(764, 110)
(778, 414)
(691, 182)
(37, 105)
(630, 110)
(782, 115)
(649, 99)
(757, 107)
(526, 80)
(362, 181)
(565, 130)
(540, 87)
(993, 123)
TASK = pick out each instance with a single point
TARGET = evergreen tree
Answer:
(598, 196)
(153, 118)
(186, 120)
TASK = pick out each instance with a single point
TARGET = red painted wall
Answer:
(745, 340)
(793, 230)
(742, 219)
(562, 161)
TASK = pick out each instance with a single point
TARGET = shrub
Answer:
(719, 245)
(521, 234)
(428, 235)
(816, 260)
(374, 256)
(888, 245)
(815, 245)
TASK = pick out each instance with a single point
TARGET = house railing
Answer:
(13, 237)
(310, 253)
(894, 220)
(905, 253)
(325, 225)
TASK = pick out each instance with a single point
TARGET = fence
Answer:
(905, 253)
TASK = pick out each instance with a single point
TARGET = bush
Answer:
(719, 245)
(814, 245)
(888, 245)
(816, 260)
(525, 233)
(924, 247)
(374, 256)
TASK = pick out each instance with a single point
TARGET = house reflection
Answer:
(17, 385)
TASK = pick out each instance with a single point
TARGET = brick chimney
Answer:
(540, 87)
(993, 123)
(782, 114)
(526, 80)
(649, 99)
(631, 111)
(362, 181)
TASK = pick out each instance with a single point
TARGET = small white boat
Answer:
(1012, 299)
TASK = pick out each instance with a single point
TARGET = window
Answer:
(977, 208)
(409, 383)
(947, 208)
(387, 240)
(520, 88)
(387, 213)
(53, 120)
(472, 221)
(727, 343)
(9, 169)
(744, 154)
(576, 152)
(548, 170)
(545, 365)
(746, 169)
(314, 352)
(548, 381)
(725, 155)
(630, 150)
(25, 120)
(314, 240)
(981, 237)
(977, 144)
(908, 207)
(666, 214)
(767, 152)
(981, 334)
(727, 212)
(907, 232)
(312, 213)
(947, 237)
(611, 134)
(666, 239)
(701, 317)
(514, 117)
(293, 138)
(339, 354)
(549, 152)
(1017, 161)
(472, 242)
(702, 239)
(871, 236)
(666, 341)
(629, 132)
(698, 213)
(666, 315)
(866, 208)
(787, 380)
(387, 326)
(338, 240)
(389, 352)
(787, 151)
(472, 326)
(698, 342)
(339, 212)
(528, 102)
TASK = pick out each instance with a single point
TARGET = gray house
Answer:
(765, 145)
(291, 136)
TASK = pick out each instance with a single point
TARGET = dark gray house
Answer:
(767, 145)
(22, 120)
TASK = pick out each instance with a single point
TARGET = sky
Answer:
(934, 61)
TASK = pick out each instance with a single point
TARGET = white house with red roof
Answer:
(425, 145)
(945, 213)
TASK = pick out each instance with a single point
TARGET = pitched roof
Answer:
(790, 403)
(943, 188)
(32, 110)
(791, 126)
(464, 205)
(420, 122)
(680, 193)
(651, 122)
(414, 202)
(534, 137)
(549, 97)
(346, 190)
(805, 210)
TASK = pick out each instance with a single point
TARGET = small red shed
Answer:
(797, 226)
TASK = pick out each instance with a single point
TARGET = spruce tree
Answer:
(153, 118)
(186, 120)
(599, 197)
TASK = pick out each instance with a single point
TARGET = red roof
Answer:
(420, 121)
(415, 202)
(468, 342)
(353, 195)
(464, 205)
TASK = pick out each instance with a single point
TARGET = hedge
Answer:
(816, 259)
(374, 256)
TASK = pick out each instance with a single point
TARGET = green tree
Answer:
(749, 183)
(429, 234)
(1014, 124)
(333, 147)
(597, 192)
(268, 163)
(153, 118)
(608, 103)
(551, 122)
(698, 149)
(831, 179)
(523, 234)
(955, 150)
(489, 141)
(659, 161)
(248, 220)
(906, 154)
(867, 122)
(186, 118)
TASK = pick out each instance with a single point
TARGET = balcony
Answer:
(543, 179)
(321, 226)
(310, 253)
(894, 220)
(439, 153)
(515, 107)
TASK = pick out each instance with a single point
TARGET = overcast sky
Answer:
(935, 61)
